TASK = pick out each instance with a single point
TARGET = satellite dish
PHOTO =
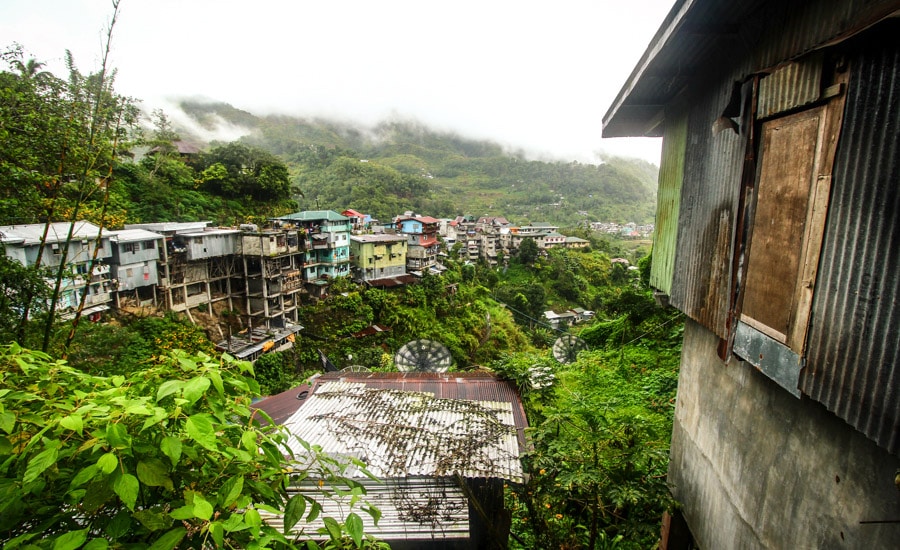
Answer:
(423, 356)
(567, 347)
(356, 368)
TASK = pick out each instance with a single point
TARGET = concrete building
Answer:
(422, 240)
(777, 235)
(135, 253)
(378, 257)
(328, 246)
(74, 245)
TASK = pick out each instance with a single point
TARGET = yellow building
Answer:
(380, 256)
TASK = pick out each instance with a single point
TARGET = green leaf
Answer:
(118, 437)
(153, 520)
(252, 518)
(108, 463)
(374, 512)
(217, 382)
(314, 510)
(7, 421)
(171, 447)
(354, 525)
(72, 422)
(169, 540)
(168, 388)
(83, 476)
(153, 472)
(235, 522)
(293, 512)
(202, 508)
(39, 463)
(119, 525)
(218, 533)
(127, 487)
(70, 540)
(182, 513)
(96, 544)
(195, 388)
(333, 527)
(248, 441)
(231, 490)
(199, 427)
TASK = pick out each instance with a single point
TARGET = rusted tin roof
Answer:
(703, 38)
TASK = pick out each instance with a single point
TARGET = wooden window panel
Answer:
(793, 188)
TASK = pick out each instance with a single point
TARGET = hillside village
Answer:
(251, 280)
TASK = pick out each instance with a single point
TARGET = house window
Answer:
(148, 245)
(128, 247)
(793, 185)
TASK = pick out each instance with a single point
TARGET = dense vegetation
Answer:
(132, 432)
(399, 166)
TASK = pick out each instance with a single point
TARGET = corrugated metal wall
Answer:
(853, 364)
(712, 177)
(671, 176)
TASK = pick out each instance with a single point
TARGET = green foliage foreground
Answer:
(163, 458)
(597, 474)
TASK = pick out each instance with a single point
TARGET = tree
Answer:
(21, 289)
(169, 457)
(528, 251)
(237, 171)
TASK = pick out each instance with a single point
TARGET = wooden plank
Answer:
(787, 170)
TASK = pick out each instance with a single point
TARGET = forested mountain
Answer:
(398, 166)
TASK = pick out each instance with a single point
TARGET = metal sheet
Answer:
(712, 182)
(415, 509)
(671, 176)
(699, 37)
(853, 356)
(774, 359)
(410, 432)
(790, 87)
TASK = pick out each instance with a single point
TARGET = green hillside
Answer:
(399, 166)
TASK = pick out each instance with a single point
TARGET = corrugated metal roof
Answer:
(405, 432)
(700, 37)
(314, 215)
(133, 235)
(853, 363)
(412, 509)
(32, 233)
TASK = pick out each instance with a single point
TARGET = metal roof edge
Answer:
(667, 30)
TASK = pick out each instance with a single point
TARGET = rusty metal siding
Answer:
(853, 356)
(790, 87)
(671, 176)
(701, 284)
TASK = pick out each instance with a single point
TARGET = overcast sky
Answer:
(537, 75)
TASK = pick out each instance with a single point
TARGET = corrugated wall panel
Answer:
(790, 87)
(671, 175)
(853, 364)
(712, 174)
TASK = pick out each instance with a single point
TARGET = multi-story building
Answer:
(135, 273)
(74, 245)
(198, 266)
(377, 257)
(328, 246)
(422, 237)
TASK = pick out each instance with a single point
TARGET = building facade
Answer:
(378, 256)
(776, 232)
